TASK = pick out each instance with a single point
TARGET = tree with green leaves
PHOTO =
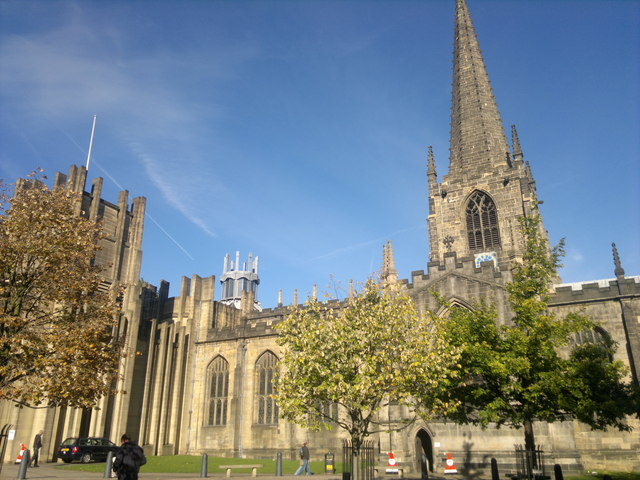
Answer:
(56, 323)
(358, 355)
(529, 369)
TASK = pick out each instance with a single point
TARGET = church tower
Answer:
(473, 211)
(240, 280)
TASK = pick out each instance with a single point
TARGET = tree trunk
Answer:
(356, 444)
(530, 444)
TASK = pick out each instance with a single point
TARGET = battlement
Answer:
(596, 290)
(466, 265)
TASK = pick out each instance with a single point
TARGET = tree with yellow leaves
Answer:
(56, 324)
(358, 355)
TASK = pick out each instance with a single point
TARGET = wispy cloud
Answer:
(368, 243)
(167, 186)
(575, 256)
(65, 73)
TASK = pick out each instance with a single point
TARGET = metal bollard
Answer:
(204, 467)
(22, 470)
(108, 468)
(279, 464)
(495, 475)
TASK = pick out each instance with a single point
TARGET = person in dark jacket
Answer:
(304, 460)
(129, 459)
(37, 445)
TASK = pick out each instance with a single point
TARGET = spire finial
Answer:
(619, 271)
(351, 290)
(477, 134)
(389, 273)
(295, 297)
(515, 141)
(431, 164)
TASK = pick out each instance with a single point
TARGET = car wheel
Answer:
(86, 458)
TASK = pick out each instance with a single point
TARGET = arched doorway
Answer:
(424, 446)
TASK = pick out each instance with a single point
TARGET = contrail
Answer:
(363, 244)
(170, 237)
(117, 184)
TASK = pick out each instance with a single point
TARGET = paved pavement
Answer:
(51, 471)
(56, 471)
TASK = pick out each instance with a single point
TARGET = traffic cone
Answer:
(449, 466)
(392, 464)
(21, 454)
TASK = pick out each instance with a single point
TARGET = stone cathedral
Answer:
(198, 370)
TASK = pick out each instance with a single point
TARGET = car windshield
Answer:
(69, 441)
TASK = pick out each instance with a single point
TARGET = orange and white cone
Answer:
(392, 464)
(21, 454)
(449, 466)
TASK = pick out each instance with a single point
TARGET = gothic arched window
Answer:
(267, 410)
(595, 337)
(482, 222)
(218, 374)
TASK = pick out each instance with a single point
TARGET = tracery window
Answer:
(267, 410)
(327, 411)
(218, 391)
(595, 336)
(482, 222)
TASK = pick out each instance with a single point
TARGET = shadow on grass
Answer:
(192, 464)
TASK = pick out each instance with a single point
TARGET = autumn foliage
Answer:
(357, 356)
(56, 323)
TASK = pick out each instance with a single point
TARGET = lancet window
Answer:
(266, 408)
(218, 391)
(482, 223)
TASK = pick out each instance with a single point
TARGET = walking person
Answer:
(304, 460)
(37, 445)
(129, 459)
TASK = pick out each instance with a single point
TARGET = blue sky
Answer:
(298, 130)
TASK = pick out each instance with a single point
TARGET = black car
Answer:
(86, 449)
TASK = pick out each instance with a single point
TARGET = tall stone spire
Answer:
(389, 272)
(474, 209)
(478, 142)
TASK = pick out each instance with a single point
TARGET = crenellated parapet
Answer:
(614, 304)
(120, 252)
(595, 291)
(463, 281)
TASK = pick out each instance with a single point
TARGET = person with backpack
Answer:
(129, 459)
(304, 460)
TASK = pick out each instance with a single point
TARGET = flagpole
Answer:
(91, 142)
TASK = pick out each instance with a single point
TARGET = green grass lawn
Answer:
(192, 464)
(599, 475)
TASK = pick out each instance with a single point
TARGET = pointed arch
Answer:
(596, 336)
(481, 220)
(453, 302)
(218, 375)
(424, 457)
(266, 407)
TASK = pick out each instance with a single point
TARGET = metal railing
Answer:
(4, 438)
(530, 463)
(359, 466)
